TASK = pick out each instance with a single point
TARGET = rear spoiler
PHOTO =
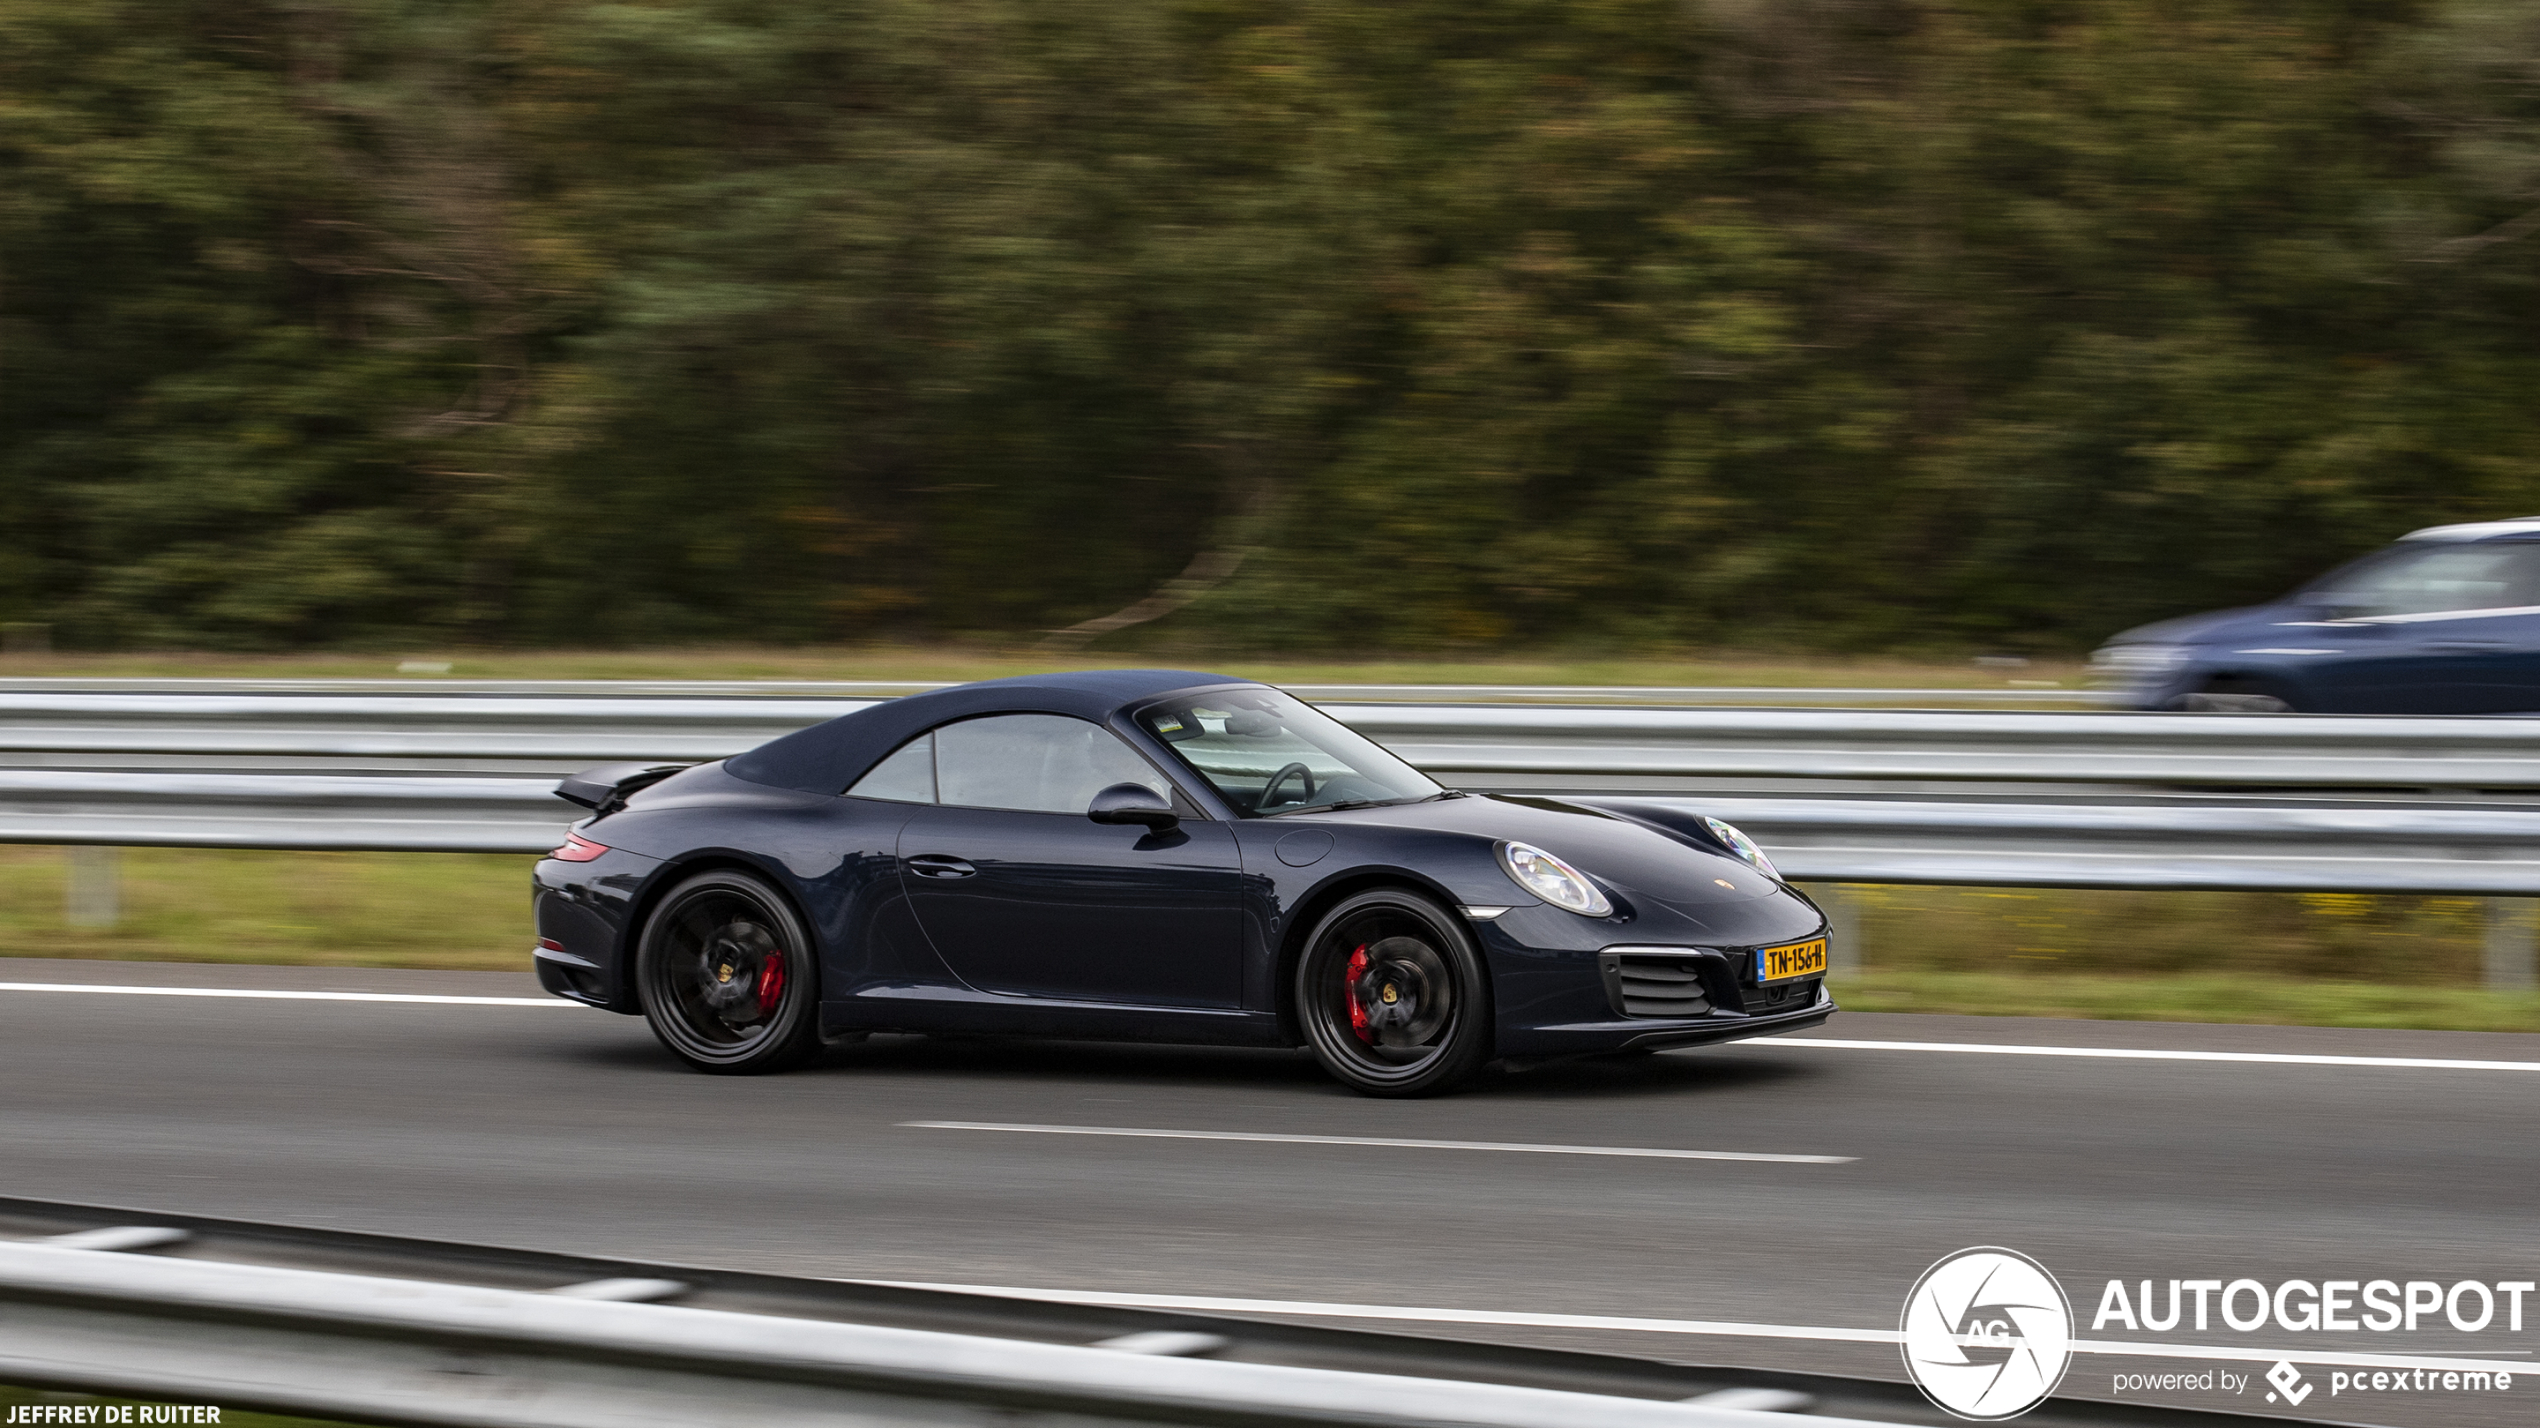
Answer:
(604, 790)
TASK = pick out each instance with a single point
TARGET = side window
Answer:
(2489, 575)
(1035, 763)
(907, 776)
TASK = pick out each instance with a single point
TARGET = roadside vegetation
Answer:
(1862, 325)
(2297, 959)
(954, 663)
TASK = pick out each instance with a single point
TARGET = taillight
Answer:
(577, 849)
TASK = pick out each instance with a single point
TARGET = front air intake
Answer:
(1658, 983)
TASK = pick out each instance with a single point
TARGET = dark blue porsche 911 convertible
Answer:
(1156, 855)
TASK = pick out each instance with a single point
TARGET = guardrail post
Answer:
(2513, 945)
(1843, 928)
(95, 891)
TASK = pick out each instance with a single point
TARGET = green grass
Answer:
(2317, 959)
(450, 910)
(2221, 997)
(11, 1397)
(2287, 959)
(928, 663)
(2434, 942)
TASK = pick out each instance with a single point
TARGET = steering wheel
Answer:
(1276, 779)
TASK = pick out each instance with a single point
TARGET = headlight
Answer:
(1743, 846)
(2138, 661)
(1554, 881)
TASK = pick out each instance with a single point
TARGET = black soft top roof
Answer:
(826, 758)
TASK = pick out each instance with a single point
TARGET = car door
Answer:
(2378, 667)
(2442, 630)
(1022, 894)
(2508, 660)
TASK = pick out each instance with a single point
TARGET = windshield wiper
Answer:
(1343, 804)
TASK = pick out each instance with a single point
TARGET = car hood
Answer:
(1639, 861)
(2213, 626)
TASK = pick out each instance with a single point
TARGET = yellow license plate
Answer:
(1800, 959)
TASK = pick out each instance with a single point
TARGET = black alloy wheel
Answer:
(1392, 995)
(727, 977)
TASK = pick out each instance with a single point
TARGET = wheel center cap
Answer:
(723, 972)
(1390, 995)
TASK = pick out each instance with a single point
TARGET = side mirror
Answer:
(1132, 803)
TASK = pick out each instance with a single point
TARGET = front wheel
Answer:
(727, 977)
(1392, 996)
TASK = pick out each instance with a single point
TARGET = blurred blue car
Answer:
(2447, 621)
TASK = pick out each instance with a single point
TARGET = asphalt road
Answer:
(561, 1128)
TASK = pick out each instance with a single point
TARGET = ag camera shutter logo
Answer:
(1987, 1333)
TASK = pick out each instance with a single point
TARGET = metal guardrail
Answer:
(387, 733)
(2458, 851)
(341, 1345)
(2125, 751)
(410, 1331)
(2040, 694)
(461, 733)
(2062, 799)
(2470, 852)
(174, 808)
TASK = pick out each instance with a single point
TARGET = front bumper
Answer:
(1564, 985)
(2149, 677)
(1650, 1033)
(1728, 1026)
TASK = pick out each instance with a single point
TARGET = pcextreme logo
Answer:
(1987, 1333)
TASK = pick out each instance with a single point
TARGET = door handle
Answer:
(939, 865)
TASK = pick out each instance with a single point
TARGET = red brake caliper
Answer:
(771, 983)
(1349, 993)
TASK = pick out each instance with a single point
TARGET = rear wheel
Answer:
(1393, 997)
(727, 978)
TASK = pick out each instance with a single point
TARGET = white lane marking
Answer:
(285, 996)
(1648, 1152)
(2269, 1058)
(2275, 1058)
(1210, 1303)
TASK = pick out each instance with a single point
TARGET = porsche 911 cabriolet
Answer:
(1157, 855)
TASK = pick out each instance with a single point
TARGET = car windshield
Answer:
(2429, 579)
(1267, 754)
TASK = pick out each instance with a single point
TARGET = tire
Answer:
(727, 977)
(1392, 996)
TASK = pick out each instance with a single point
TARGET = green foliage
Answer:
(1622, 323)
